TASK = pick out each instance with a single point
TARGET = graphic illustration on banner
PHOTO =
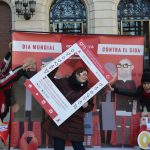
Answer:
(123, 56)
(115, 119)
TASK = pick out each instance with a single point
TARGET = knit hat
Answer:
(146, 76)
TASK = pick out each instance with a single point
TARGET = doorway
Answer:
(5, 28)
(138, 27)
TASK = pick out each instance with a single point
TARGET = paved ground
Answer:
(98, 148)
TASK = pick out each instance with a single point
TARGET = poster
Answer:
(123, 56)
(109, 50)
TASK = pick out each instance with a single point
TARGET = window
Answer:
(134, 19)
(68, 16)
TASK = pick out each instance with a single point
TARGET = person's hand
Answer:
(29, 64)
(110, 87)
(15, 108)
(113, 80)
(85, 105)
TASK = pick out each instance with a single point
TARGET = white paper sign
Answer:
(147, 119)
(49, 96)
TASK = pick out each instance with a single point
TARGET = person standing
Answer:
(7, 78)
(73, 128)
(142, 93)
(5, 66)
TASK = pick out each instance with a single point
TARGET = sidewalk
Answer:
(96, 148)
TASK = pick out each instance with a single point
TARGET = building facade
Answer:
(78, 16)
(123, 17)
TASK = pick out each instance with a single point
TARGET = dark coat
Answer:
(73, 128)
(138, 93)
(6, 83)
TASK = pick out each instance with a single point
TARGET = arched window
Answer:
(134, 19)
(68, 16)
(134, 9)
(130, 14)
(5, 27)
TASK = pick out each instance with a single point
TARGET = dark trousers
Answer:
(59, 144)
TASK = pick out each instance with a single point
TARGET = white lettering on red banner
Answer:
(27, 46)
(114, 49)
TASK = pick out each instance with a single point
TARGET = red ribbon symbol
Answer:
(28, 141)
(4, 132)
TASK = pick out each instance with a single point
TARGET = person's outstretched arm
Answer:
(14, 75)
(123, 91)
(5, 64)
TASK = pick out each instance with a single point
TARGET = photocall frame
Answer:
(50, 97)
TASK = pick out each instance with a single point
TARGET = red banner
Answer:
(122, 56)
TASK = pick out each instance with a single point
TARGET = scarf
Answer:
(75, 84)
